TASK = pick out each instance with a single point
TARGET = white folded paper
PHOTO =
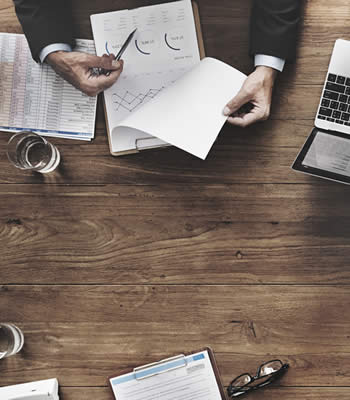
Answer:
(189, 113)
(39, 390)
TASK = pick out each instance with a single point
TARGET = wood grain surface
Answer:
(110, 263)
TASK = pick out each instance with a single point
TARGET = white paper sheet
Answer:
(33, 97)
(164, 48)
(189, 113)
(39, 390)
(196, 381)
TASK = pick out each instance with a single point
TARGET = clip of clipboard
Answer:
(149, 143)
(149, 370)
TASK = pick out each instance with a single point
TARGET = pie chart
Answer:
(147, 42)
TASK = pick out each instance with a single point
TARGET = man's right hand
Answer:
(76, 67)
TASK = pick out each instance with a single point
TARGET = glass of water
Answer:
(31, 152)
(11, 340)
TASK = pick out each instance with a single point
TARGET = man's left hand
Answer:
(256, 90)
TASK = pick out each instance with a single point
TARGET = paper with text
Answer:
(194, 381)
(33, 97)
(164, 48)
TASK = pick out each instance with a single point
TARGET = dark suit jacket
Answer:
(273, 25)
(45, 22)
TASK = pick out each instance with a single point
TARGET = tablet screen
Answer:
(327, 155)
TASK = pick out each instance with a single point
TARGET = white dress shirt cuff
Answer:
(269, 61)
(52, 48)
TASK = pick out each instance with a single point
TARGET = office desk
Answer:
(115, 262)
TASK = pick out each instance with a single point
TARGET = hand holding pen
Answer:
(88, 73)
(102, 71)
(75, 67)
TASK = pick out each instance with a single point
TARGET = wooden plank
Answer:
(217, 203)
(272, 393)
(165, 234)
(83, 334)
(263, 153)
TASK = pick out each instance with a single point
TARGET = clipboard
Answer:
(175, 362)
(149, 143)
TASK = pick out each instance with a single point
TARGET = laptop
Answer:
(326, 152)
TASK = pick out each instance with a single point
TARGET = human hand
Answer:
(257, 91)
(76, 67)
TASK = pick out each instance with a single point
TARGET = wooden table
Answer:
(114, 262)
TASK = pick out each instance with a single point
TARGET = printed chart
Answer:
(148, 42)
(175, 40)
(129, 101)
(163, 49)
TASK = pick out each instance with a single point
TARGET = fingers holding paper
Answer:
(253, 101)
(75, 68)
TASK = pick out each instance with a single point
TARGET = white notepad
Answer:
(33, 97)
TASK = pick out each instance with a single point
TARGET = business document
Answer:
(164, 48)
(33, 97)
(194, 380)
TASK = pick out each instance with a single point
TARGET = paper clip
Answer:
(156, 368)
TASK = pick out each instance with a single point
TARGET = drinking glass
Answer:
(31, 152)
(11, 340)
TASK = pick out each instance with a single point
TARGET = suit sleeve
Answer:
(274, 28)
(45, 22)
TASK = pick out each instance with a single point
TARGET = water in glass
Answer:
(29, 151)
(11, 340)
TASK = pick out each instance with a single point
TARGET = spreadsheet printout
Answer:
(33, 97)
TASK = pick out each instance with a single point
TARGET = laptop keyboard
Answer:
(335, 102)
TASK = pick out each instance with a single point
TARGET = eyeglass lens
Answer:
(270, 368)
(264, 372)
(241, 381)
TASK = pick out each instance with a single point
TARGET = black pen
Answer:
(125, 45)
(101, 71)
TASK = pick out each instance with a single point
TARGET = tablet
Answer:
(325, 154)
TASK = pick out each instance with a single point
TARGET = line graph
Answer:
(130, 101)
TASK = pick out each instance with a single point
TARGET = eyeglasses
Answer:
(266, 374)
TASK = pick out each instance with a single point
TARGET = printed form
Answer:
(191, 381)
(33, 97)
